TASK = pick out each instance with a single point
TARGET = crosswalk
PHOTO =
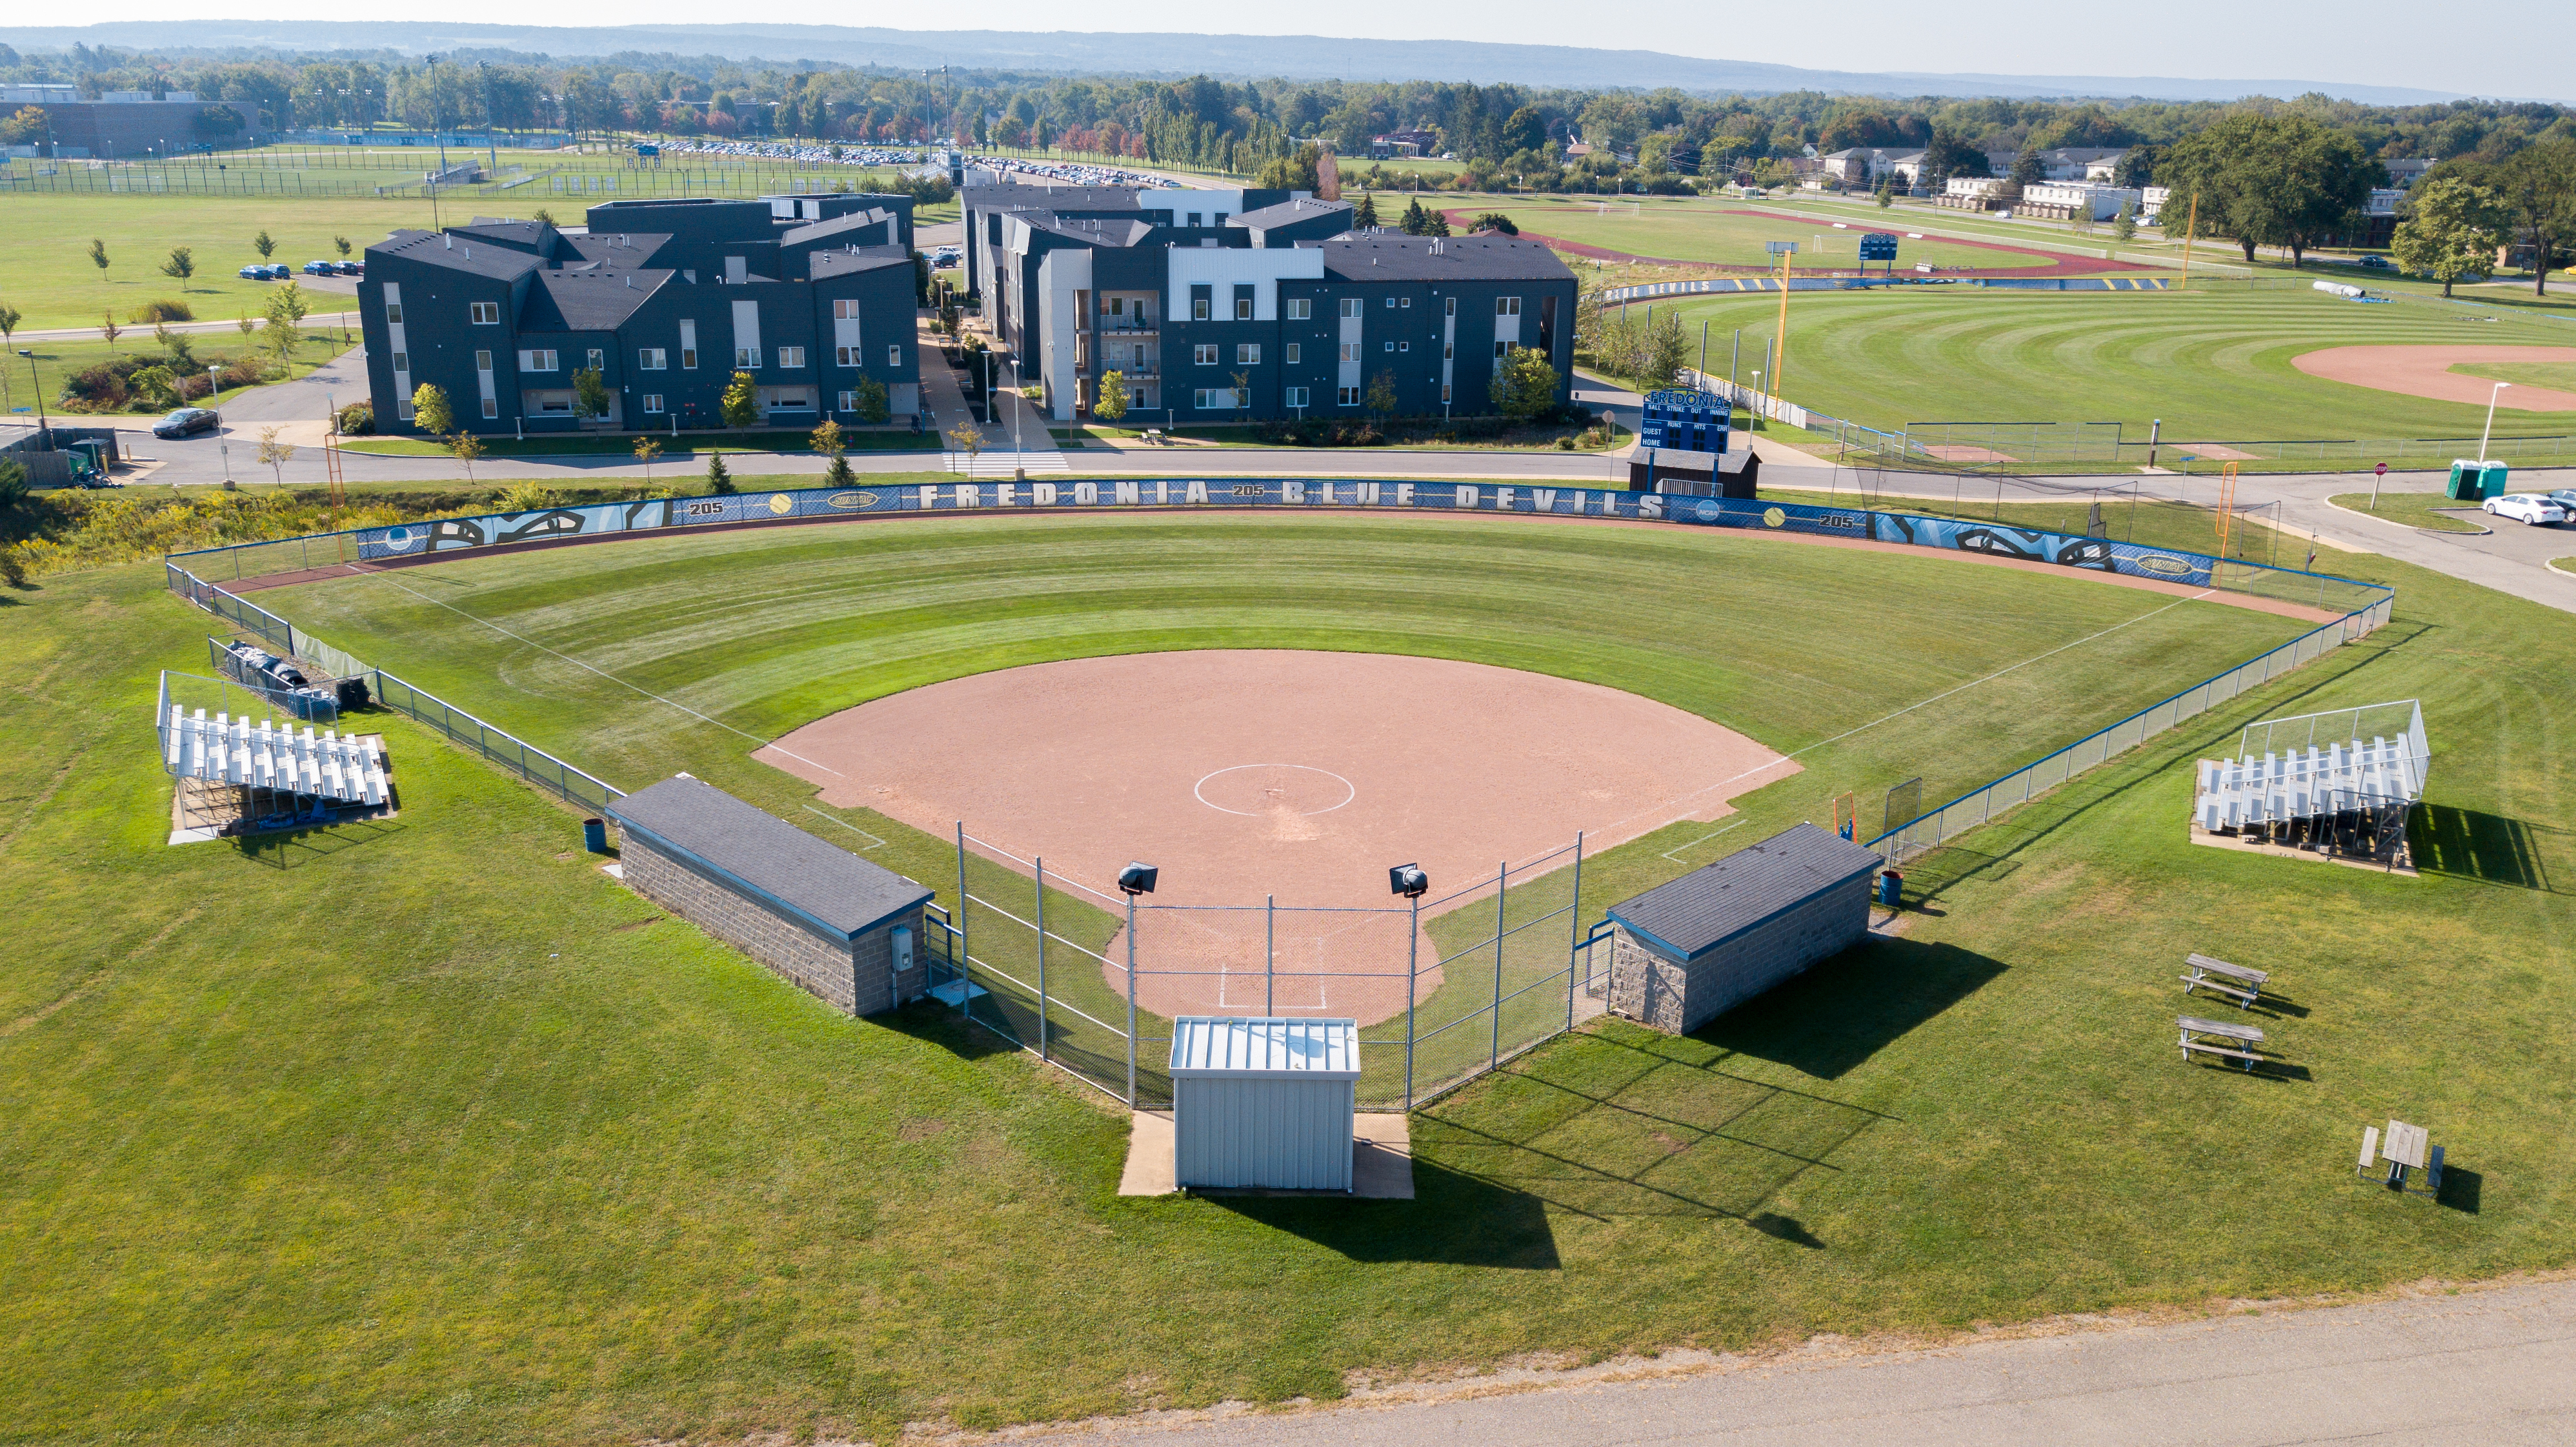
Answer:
(1003, 464)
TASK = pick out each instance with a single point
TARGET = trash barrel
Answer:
(1891, 888)
(594, 835)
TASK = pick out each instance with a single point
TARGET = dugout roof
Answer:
(1690, 916)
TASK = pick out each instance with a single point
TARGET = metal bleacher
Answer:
(231, 750)
(2343, 793)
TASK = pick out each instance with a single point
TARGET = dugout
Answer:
(1687, 951)
(1264, 1102)
(1694, 474)
(817, 915)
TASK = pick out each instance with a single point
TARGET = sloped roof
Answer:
(1304, 208)
(849, 260)
(767, 856)
(498, 262)
(1393, 256)
(1705, 908)
(587, 301)
(824, 233)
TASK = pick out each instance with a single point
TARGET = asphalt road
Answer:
(2489, 1367)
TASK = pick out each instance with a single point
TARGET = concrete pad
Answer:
(1381, 1159)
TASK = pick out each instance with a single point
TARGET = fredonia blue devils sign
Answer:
(812, 504)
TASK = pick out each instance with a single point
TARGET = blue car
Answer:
(320, 268)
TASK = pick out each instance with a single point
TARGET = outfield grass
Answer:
(2437, 511)
(2556, 376)
(2214, 363)
(1727, 233)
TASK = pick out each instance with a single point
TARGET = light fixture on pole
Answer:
(1409, 881)
(1137, 878)
(2490, 427)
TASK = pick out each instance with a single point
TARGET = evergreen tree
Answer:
(719, 481)
(1364, 215)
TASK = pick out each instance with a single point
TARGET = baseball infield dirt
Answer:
(1299, 775)
(2426, 372)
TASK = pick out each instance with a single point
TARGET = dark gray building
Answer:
(1211, 313)
(819, 916)
(1693, 948)
(806, 295)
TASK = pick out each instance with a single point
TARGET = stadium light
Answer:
(2490, 427)
(1137, 878)
(1409, 881)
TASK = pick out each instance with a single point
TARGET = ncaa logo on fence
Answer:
(2167, 566)
(851, 501)
(1708, 512)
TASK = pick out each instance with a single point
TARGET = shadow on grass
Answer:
(2465, 844)
(1841, 1012)
(2460, 1189)
(1454, 1219)
(294, 848)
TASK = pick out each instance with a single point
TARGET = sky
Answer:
(2520, 51)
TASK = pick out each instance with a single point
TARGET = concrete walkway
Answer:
(2490, 1367)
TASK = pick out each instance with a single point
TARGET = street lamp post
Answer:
(43, 427)
(2490, 427)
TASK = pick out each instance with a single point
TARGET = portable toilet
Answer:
(1264, 1102)
(2475, 481)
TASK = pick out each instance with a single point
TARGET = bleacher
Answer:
(231, 750)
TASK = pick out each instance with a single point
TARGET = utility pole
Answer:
(491, 147)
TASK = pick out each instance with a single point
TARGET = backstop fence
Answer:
(1445, 988)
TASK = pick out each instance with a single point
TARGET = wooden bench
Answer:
(2235, 981)
(2236, 1035)
(2369, 1150)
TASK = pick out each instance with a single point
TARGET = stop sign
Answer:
(2381, 470)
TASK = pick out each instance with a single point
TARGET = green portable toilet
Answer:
(2476, 481)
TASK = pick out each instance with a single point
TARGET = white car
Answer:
(2528, 508)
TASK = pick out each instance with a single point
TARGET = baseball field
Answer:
(425, 1128)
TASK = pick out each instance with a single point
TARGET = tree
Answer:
(466, 447)
(2452, 229)
(2539, 182)
(2267, 180)
(182, 263)
(155, 386)
(740, 403)
(1435, 222)
(108, 328)
(870, 402)
(1110, 402)
(275, 454)
(646, 449)
(265, 244)
(966, 437)
(429, 410)
(1886, 192)
(289, 305)
(2137, 167)
(1495, 221)
(13, 491)
(98, 253)
(590, 397)
(1524, 386)
(1414, 222)
(1381, 396)
(9, 318)
(719, 480)
(1363, 216)
(2027, 167)
(342, 243)
(2124, 226)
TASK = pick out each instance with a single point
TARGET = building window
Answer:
(1406, 302)
(1502, 349)
(747, 358)
(791, 356)
(1347, 396)
(1300, 308)
(491, 408)
(482, 361)
(846, 357)
(688, 359)
(1292, 352)
(1448, 350)
(402, 408)
(1404, 346)
(652, 404)
(894, 354)
(1204, 354)
(1214, 399)
(1390, 346)
(849, 402)
(537, 361)
(1243, 308)
(1350, 351)
(845, 311)
(402, 361)
(1247, 354)
(483, 313)
(1350, 306)
(1296, 397)
(598, 360)
(1507, 306)
(1198, 309)
(1444, 394)
(393, 313)
(652, 359)
(1449, 307)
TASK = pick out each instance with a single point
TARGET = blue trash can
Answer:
(594, 835)
(1891, 889)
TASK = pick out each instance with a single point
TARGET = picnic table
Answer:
(2403, 1147)
(2243, 985)
(2198, 1036)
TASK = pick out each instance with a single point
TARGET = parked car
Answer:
(2565, 497)
(2531, 509)
(2376, 263)
(255, 272)
(350, 268)
(187, 422)
(320, 268)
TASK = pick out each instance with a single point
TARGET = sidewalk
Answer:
(1015, 438)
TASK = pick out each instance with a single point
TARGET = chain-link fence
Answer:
(1089, 981)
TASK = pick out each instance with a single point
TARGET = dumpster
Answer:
(2475, 481)
(594, 835)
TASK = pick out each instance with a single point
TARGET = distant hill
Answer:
(1059, 52)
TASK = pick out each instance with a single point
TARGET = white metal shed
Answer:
(1264, 1102)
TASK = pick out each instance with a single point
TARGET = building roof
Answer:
(1224, 1047)
(850, 260)
(1089, 230)
(626, 249)
(498, 262)
(834, 890)
(502, 230)
(1302, 208)
(1393, 256)
(1016, 195)
(1689, 916)
(584, 299)
(828, 232)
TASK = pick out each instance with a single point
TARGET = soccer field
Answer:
(2214, 363)
(1729, 232)
(426, 1129)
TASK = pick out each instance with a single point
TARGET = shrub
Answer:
(358, 419)
(526, 497)
(161, 309)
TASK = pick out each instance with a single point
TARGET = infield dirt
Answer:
(2426, 372)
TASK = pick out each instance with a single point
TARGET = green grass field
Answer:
(45, 270)
(1728, 233)
(2556, 376)
(428, 1130)
(53, 361)
(2214, 363)
(2432, 510)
